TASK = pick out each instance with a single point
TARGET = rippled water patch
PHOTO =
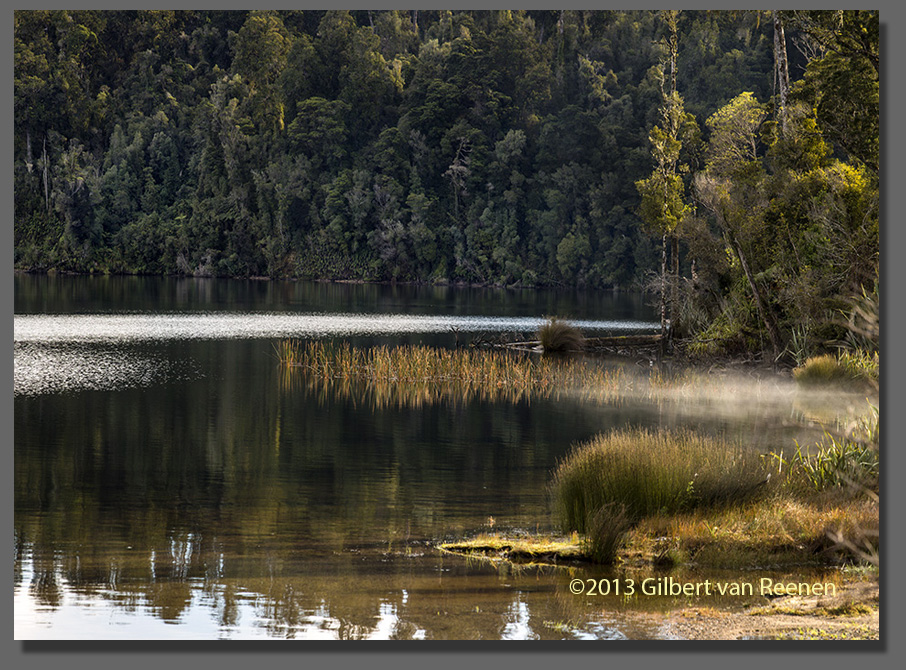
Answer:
(215, 325)
(42, 368)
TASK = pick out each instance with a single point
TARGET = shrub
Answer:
(652, 472)
(559, 336)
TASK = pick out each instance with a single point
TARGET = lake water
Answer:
(170, 483)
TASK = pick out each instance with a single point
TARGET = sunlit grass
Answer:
(776, 530)
(520, 549)
(721, 504)
(652, 472)
(846, 366)
(420, 375)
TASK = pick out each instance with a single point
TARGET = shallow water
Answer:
(170, 484)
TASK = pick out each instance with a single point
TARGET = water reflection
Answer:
(171, 486)
(408, 599)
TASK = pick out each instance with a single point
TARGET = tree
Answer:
(842, 81)
(663, 206)
(730, 187)
(261, 49)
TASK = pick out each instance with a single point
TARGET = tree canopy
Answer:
(518, 148)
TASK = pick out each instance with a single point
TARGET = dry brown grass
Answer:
(558, 336)
(774, 531)
(415, 376)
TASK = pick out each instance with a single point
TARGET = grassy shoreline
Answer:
(759, 536)
(635, 496)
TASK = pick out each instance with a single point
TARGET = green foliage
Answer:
(850, 461)
(519, 147)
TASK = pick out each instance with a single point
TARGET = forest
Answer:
(726, 161)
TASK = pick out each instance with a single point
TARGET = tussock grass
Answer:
(846, 366)
(606, 529)
(558, 336)
(651, 473)
(824, 369)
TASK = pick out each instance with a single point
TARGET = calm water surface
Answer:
(170, 483)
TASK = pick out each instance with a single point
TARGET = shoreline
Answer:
(323, 280)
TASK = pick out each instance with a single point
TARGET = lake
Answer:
(171, 483)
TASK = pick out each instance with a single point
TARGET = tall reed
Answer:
(416, 375)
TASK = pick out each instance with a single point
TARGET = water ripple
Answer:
(41, 368)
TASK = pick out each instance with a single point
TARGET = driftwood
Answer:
(595, 343)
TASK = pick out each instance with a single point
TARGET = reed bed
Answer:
(419, 375)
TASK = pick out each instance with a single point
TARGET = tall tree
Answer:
(663, 206)
(731, 188)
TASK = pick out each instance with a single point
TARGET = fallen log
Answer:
(597, 342)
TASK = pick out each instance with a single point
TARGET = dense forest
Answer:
(729, 161)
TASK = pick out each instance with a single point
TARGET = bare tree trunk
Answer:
(674, 283)
(782, 66)
(46, 176)
(28, 161)
(664, 294)
(763, 312)
(415, 21)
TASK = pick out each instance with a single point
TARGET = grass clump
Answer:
(849, 461)
(860, 364)
(558, 336)
(823, 369)
(606, 529)
(839, 462)
(848, 365)
(606, 486)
